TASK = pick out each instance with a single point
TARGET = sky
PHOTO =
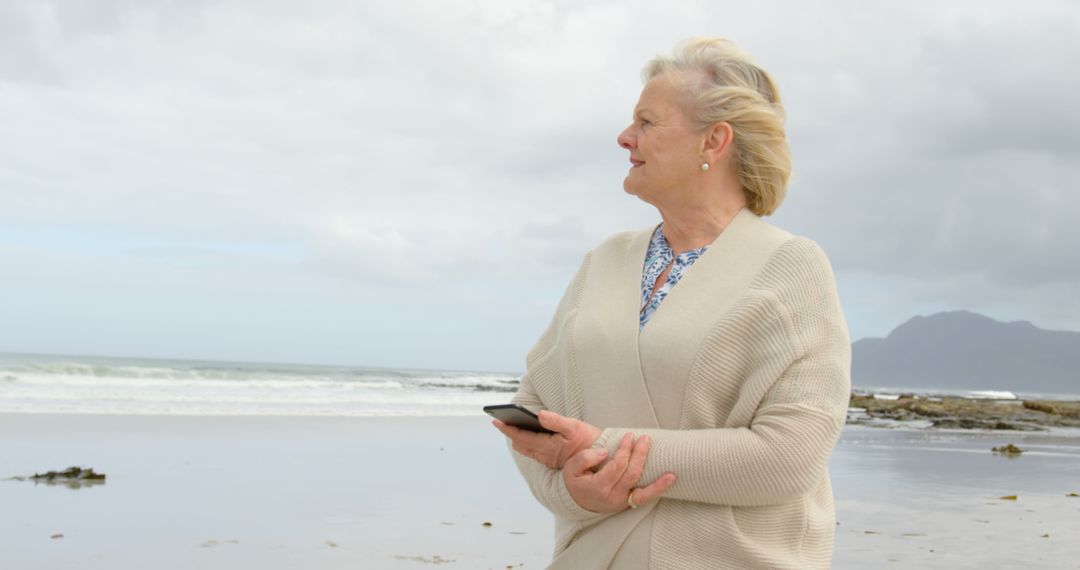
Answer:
(413, 184)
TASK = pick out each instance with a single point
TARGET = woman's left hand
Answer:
(570, 437)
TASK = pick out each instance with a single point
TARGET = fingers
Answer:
(525, 442)
(636, 464)
(632, 474)
(584, 461)
(654, 491)
(507, 429)
(573, 434)
(611, 473)
(607, 490)
(555, 422)
(522, 436)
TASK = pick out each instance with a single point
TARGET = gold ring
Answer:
(630, 500)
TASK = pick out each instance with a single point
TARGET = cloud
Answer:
(947, 159)
(466, 151)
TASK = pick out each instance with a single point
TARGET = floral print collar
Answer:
(657, 258)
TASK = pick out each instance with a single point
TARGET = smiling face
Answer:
(665, 150)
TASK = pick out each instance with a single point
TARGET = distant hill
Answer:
(965, 350)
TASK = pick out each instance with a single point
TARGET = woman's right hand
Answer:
(570, 436)
(607, 489)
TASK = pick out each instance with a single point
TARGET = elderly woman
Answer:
(696, 373)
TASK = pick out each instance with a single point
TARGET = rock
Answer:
(1000, 425)
(954, 423)
(962, 413)
(1039, 407)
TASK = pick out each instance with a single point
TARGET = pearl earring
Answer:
(704, 166)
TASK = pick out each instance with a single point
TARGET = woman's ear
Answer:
(719, 138)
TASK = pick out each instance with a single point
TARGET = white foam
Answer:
(178, 388)
(990, 395)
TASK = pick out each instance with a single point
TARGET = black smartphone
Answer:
(516, 416)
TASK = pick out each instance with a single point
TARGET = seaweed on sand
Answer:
(72, 477)
(1009, 449)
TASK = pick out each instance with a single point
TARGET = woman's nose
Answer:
(625, 140)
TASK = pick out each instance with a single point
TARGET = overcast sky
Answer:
(412, 184)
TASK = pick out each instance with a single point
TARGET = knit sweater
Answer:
(741, 379)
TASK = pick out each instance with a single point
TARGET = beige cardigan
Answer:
(741, 378)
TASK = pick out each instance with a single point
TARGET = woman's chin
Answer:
(636, 190)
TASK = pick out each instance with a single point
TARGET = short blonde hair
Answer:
(721, 84)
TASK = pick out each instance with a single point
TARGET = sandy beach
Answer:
(328, 492)
(269, 492)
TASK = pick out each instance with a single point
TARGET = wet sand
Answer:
(318, 492)
(933, 499)
(266, 492)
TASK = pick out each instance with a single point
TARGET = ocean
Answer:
(100, 385)
(31, 383)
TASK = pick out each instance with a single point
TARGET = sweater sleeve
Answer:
(547, 484)
(783, 453)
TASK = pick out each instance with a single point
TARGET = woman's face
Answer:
(665, 152)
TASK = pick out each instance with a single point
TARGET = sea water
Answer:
(103, 385)
(99, 385)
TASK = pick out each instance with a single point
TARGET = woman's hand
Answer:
(553, 450)
(608, 489)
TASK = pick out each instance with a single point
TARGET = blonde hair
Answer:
(721, 84)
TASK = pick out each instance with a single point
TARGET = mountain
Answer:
(965, 350)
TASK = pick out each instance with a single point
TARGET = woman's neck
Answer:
(690, 228)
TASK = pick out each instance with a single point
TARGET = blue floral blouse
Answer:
(657, 258)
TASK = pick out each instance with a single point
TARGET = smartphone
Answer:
(516, 416)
